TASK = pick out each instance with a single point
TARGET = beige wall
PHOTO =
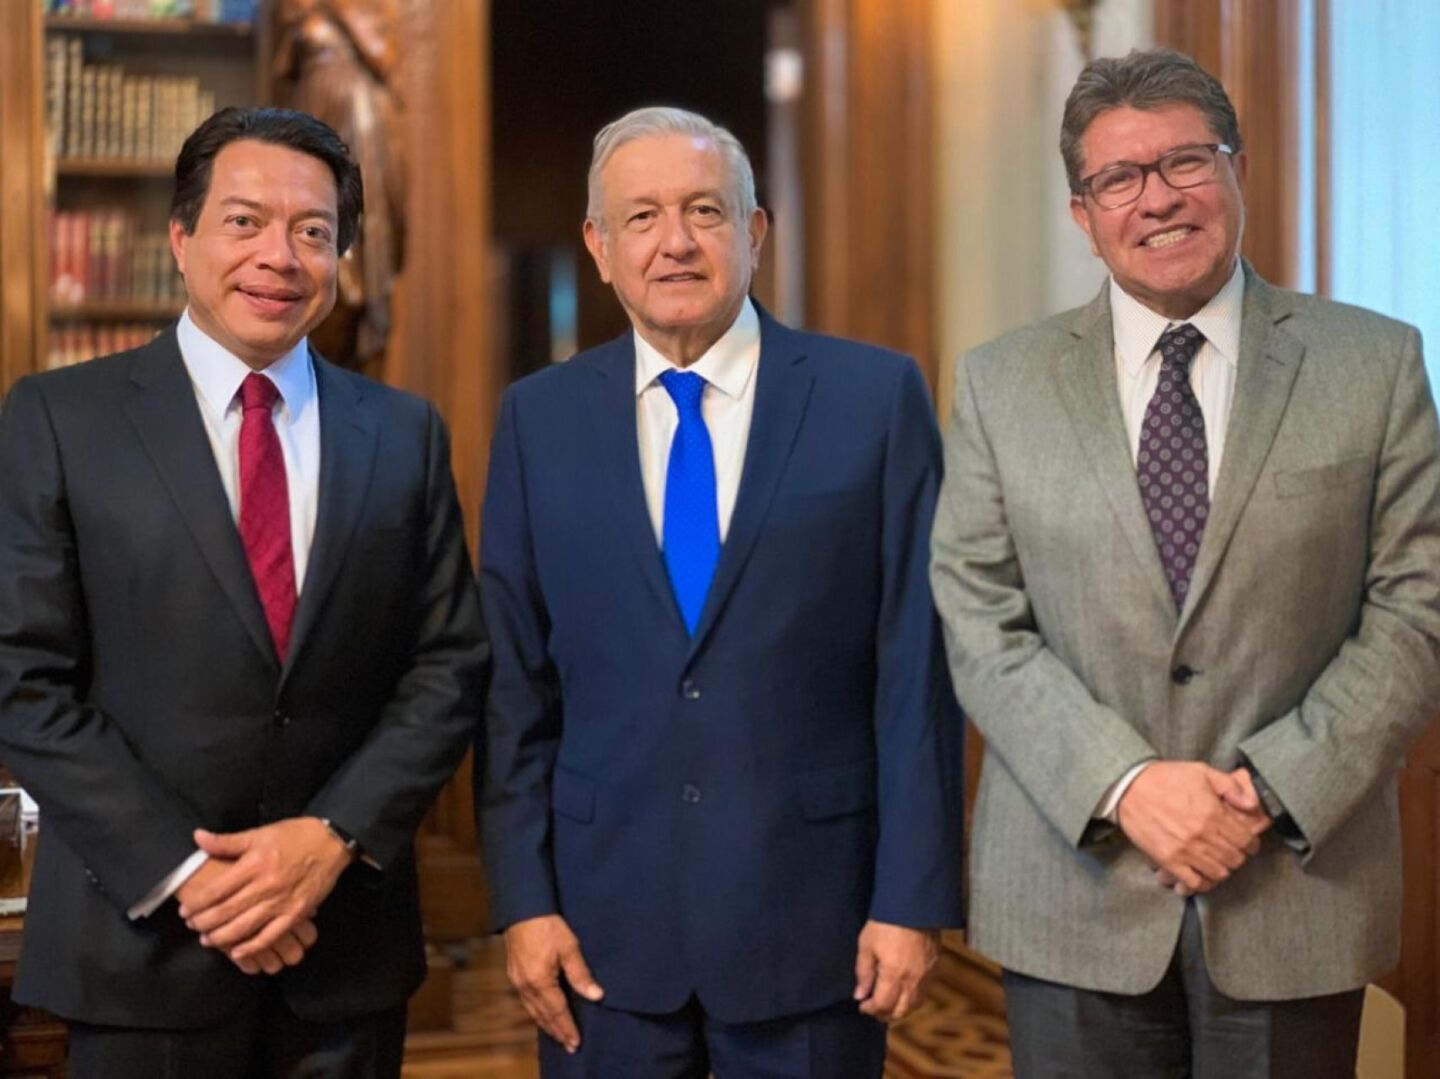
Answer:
(1007, 251)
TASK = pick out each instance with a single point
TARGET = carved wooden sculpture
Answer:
(339, 58)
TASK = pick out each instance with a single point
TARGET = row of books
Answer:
(80, 342)
(97, 110)
(105, 255)
(206, 11)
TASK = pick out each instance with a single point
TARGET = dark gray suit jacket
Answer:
(140, 696)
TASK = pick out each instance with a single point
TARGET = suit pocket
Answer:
(838, 792)
(1305, 481)
(572, 796)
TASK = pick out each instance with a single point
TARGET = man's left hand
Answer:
(1246, 800)
(281, 874)
(890, 967)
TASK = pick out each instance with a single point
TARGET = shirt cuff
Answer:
(1108, 808)
(167, 887)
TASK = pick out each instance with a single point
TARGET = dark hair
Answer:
(283, 127)
(1144, 79)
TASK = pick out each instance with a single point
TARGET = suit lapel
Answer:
(1269, 361)
(166, 417)
(1086, 378)
(614, 417)
(782, 390)
(348, 436)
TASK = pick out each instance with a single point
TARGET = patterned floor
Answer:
(957, 1033)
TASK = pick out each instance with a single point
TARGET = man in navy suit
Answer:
(721, 745)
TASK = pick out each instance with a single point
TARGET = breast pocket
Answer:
(1304, 481)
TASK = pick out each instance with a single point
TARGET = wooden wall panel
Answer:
(22, 193)
(1250, 45)
(867, 171)
(1416, 982)
(441, 346)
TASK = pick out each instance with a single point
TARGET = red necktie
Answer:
(265, 508)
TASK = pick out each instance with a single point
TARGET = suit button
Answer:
(689, 690)
(690, 794)
(1182, 674)
(281, 719)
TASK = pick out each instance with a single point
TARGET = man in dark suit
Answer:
(722, 747)
(240, 650)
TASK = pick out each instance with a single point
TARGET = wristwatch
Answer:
(352, 845)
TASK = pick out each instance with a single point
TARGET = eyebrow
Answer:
(1164, 153)
(251, 204)
(651, 200)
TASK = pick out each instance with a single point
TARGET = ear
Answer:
(1081, 217)
(595, 244)
(759, 226)
(178, 236)
(1241, 164)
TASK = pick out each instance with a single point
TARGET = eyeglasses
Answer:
(1185, 166)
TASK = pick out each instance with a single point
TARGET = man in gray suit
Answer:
(1188, 559)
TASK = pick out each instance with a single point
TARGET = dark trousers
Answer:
(1184, 1028)
(833, 1043)
(261, 1041)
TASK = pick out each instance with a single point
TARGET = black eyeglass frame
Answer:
(1157, 167)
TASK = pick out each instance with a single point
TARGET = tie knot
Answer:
(1179, 344)
(257, 391)
(685, 389)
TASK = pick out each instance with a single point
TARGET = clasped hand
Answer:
(1196, 824)
(256, 897)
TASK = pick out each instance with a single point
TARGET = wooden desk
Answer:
(32, 1042)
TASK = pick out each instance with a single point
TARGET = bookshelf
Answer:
(122, 82)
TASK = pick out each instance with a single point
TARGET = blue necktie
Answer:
(692, 521)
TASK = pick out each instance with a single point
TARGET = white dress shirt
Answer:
(216, 375)
(1212, 378)
(728, 368)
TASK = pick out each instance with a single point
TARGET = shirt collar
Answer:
(728, 364)
(1137, 328)
(217, 372)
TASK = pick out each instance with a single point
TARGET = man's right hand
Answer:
(1183, 816)
(287, 951)
(537, 952)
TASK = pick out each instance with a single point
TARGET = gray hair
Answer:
(664, 120)
(1144, 79)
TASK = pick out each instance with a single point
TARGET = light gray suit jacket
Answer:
(1312, 623)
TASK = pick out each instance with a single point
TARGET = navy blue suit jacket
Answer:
(720, 814)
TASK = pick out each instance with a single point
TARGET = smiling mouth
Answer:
(679, 278)
(270, 300)
(1168, 238)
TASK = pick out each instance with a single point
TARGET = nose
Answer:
(676, 241)
(276, 250)
(1157, 198)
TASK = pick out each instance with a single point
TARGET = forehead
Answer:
(657, 166)
(268, 173)
(1130, 134)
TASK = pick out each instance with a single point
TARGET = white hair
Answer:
(664, 120)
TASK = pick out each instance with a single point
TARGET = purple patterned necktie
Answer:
(1173, 466)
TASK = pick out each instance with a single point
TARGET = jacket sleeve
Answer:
(95, 795)
(523, 712)
(1359, 718)
(383, 790)
(1064, 748)
(918, 727)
